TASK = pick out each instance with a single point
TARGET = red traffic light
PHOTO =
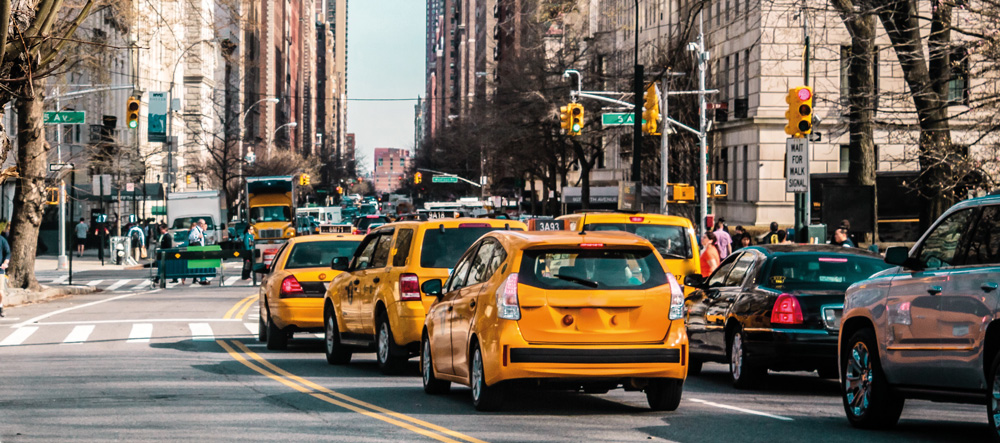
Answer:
(804, 94)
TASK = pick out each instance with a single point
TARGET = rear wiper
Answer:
(582, 281)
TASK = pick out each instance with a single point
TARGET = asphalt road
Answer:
(181, 364)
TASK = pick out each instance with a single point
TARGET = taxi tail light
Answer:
(290, 286)
(409, 287)
(787, 310)
(676, 299)
(507, 304)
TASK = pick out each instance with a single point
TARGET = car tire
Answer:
(993, 395)
(336, 353)
(432, 385)
(484, 397)
(744, 374)
(664, 394)
(389, 361)
(261, 330)
(868, 399)
(277, 339)
(694, 367)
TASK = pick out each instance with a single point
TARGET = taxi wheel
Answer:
(432, 385)
(277, 339)
(336, 354)
(386, 354)
(484, 397)
(868, 400)
(664, 394)
(744, 374)
(993, 396)
(261, 329)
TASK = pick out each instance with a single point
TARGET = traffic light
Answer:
(680, 193)
(717, 188)
(187, 178)
(800, 111)
(340, 190)
(417, 178)
(52, 196)
(651, 112)
(132, 113)
(575, 118)
(564, 118)
(304, 180)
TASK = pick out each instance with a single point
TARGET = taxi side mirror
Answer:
(339, 263)
(694, 280)
(432, 287)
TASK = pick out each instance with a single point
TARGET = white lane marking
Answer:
(251, 327)
(19, 336)
(171, 285)
(117, 285)
(145, 284)
(71, 308)
(738, 409)
(229, 281)
(141, 333)
(95, 282)
(201, 332)
(60, 280)
(78, 335)
(142, 320)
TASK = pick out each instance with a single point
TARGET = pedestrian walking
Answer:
(709, 254)
(4, 261)
(723, 240)
(197, 238)
(164, 241)
(81, 236)
(840, 238)
(771, 237)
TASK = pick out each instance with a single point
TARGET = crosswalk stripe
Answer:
(79, 334)
(141, 332)
(95, 282)
(171, 285)
(117, 285)
(143, 285)
(19, 336)
(251, 327)
(201, 332)
(60, 280)
(229, 281)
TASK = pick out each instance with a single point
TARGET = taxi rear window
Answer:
(591, 269)
(319, 253)
(669, 240)
(443, 247)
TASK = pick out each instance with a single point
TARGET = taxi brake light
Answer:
(636, 219)
(507, 305)
(409, 287)
(474, 225)
(591, 245)
(787, 310)
(676, 298)
(290, 286)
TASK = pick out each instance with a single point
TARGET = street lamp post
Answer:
(245, 157)
(275, 133)
(637, 124)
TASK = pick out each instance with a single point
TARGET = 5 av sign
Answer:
(64, 117)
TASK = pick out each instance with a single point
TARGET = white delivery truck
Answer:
(184, 208)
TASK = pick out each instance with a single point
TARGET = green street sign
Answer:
(444, 179)
(64, 117)
(618, 119)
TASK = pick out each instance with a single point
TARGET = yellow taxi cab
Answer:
(592, 311)
(376, 304)
(673, 237)
(291, 292)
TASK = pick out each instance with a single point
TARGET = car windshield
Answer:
(185, 222)
(833, 271)
(318, 254)
(271, 213)
(591, 269)
(443, 247)
(670, 241)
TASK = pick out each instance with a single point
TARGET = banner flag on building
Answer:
(157, 117)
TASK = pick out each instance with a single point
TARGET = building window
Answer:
(746, 173)
(845, 158)
(380, 163)
(958, 86)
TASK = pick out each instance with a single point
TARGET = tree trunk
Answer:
(29, 199)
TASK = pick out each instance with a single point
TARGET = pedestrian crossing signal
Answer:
(717, 189)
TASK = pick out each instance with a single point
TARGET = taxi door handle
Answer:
(989, 286)
(450, 308)
(376, 280)
(934, 290)
(356, 282)
(472, 304)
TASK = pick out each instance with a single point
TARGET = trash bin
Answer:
(817, 234)
(119, 248)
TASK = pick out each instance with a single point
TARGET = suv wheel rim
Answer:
(426, 363)
(477, 375)
(736, 357)
(383, 343)
(858, 379)
(330, 331)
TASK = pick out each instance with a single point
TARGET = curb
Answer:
(18, 297)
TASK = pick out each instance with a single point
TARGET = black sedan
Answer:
(774, 307)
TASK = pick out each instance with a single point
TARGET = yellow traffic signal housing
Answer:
(564, 118)
(717, 188)
(304, 180)
(187, 178)
(800, 111)
(340, 190)
(52, 196)
(132, 113)
(651, 112)
(680, 193)
(576, 118)
(417, 178)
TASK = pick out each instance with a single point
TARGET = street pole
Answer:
(803, 201)
(62, 261)
(702, 128)
(664, 144)
(637, 124)
(72, 184)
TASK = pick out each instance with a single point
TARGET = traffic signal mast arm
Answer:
(451, 175)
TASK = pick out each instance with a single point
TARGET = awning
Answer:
(572, 195)
(153, 191)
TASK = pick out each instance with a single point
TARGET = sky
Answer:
(385, 60)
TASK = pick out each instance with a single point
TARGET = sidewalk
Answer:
(46, 264)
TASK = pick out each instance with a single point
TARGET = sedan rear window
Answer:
(836, 271)
(591, 269)
(443, 247)
(670, 241)
(363, 223)
(319, 254)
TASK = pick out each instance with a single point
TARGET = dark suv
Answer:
(927, 328)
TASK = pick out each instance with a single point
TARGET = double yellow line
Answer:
(241, 353)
